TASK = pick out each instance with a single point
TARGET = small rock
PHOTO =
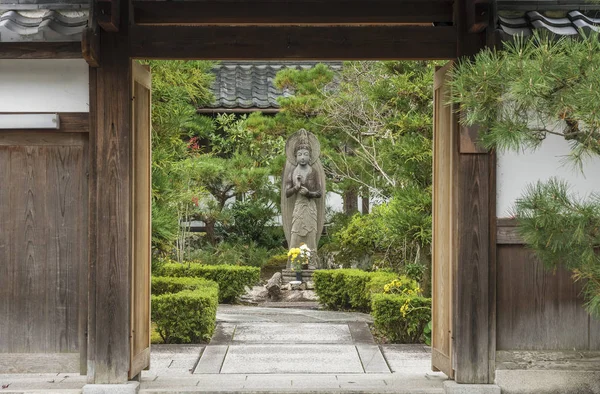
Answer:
(296, 285)
(286, 287)
(273, 286)
(310, 285)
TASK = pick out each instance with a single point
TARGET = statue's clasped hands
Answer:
(299, 188)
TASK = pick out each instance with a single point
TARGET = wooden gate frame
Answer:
(111, 150)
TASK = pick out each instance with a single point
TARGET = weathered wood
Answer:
(90, 38)
(469, 140)
(493, 269)
(471, 329)
(90, 357)
(16, 363)
(40, 50)
(141, 229)
(539, 309)
(549, 360)
(297, 42)
(444, 217)
(242, 12)
(40, 138)
(477, 15)
(109, 14)
(111, 211)
(509, 236)
(43, 243)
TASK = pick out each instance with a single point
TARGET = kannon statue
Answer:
(303, 191)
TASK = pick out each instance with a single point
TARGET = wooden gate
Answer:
(445, 149)
(141, 219)
(43, 247)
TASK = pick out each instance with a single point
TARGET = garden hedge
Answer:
(349, 289)
(231, 278)
(184, 309)
(401, 318)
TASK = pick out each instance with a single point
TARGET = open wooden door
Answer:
(445, 151)
(141, 218)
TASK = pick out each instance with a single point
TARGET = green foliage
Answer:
(520, 94)
(178, 87)
(231, 253)
(564, 230)
(401, 318)
(184, 310)
(349, 289)
(252, 221)
(231, 279)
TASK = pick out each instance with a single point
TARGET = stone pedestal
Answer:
(288, 275)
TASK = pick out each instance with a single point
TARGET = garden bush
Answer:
(231, 279)
(184, 310)
(401, 318)
(349, 289)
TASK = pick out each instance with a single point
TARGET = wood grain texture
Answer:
(111, 206)
(471, 329)
(444, 219)
(539, 309)
(141, 220)
(43, 244)
(18, 363)
(90, 357)
(294, 42)
(292, 12)
(566, 360)
(40, 50)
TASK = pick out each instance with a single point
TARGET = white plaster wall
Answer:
(44, 86)
(517, 170)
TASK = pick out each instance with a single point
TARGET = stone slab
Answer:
(289, 333)
(223, 334)
(548, 382)
(128, 388)
(451, 387)
(361, 333)
(372, 359)
(312, 358)
(211, 359)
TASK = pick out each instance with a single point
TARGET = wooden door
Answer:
(141, 219)
(445, 149)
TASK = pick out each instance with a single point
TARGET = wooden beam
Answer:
(90, 39)
(40, 50)
(293, 42)
(109, 15)
(477, 15)
(252, 12)
(110, 212)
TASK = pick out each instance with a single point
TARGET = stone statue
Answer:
(303, 191)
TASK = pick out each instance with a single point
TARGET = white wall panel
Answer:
(44, 86)
(517, 170)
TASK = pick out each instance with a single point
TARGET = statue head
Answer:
(302, 149)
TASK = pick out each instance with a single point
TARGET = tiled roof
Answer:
(42, 25)
(249, 84)
(568, 25)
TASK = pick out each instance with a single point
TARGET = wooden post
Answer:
(110, 211)
(473, 287)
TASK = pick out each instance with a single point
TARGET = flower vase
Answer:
(299, 276)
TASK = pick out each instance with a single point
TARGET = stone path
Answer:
(272, 350)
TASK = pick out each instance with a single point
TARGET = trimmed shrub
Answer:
(184, 309)
(401, 318)
(231, 278)
(349, 289)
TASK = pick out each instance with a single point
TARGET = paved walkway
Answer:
(273, 350)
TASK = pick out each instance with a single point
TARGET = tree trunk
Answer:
(350, 202)
(365, 201)
(210, 232)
